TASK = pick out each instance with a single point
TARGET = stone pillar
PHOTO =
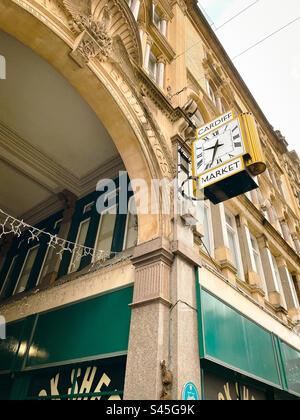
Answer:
(177, 69)
(135, 8)
(254, 198)
(149, 329)
(251, 275)
(268, 208)
(161, 72)
(141, 27)
(184, 345)
(147, 53)
(163, 26)
(219, 104)
(223, 254)
(296, 242)
(69, 203)
(260, 197)
(285, 230)
(273, 179)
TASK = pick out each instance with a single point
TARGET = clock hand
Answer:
(217, 145)
(210, 148)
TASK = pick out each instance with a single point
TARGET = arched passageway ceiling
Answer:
(45, 121)
(108, 87)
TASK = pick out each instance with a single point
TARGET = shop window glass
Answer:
(26, 270)
(131, 233)
(106, 231)
(8, 277)
(80, 240)
(46, 263)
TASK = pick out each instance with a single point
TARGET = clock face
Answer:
(219, 147)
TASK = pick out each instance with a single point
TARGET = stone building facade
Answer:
(95, 88)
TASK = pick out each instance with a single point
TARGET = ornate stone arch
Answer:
(111, 81)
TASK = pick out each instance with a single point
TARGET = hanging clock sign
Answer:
(226, 156)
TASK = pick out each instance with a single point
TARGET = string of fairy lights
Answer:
(13, 226)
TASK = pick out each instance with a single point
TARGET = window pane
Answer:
(277, 276)
(26, 270)
(156, 19)
(45, 267)
(9, 273)
(205, 221)
(105, 236)
(152, 66)
(232, 247)
(198, 119)
(81, 238)
(228, 220)
(132, 231)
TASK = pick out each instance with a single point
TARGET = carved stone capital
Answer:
(152, 261)
(87, 47)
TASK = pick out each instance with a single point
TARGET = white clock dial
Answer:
(219, 147)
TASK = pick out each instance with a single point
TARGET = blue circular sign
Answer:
(190, 392)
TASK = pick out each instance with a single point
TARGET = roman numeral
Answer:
(238, 144)
(235, 128)
(219, 161)
(236, 137)
(199, 164)
(216, 133)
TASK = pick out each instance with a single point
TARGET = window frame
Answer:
(106, 211)
(127, 224)
(233, 230)
(154, 75)
(255, 251)
(9, 272)
(23, 266)
(88, 219)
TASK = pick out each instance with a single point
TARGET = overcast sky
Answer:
(272, 69)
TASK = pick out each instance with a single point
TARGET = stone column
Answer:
(268, 208)
(69, 203)
(184, 344)
(161, 72)
(296, 242)
(273, 179)
(141, 27)
(149, 329)
(252, 276)
(163, 26)
(254, 197)
(274, 291)
(177, 69)
(219, 104)
(135, 8)
(147, 53)
(223, 254)
(285, 230)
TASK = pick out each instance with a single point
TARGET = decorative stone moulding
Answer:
(94, 25)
